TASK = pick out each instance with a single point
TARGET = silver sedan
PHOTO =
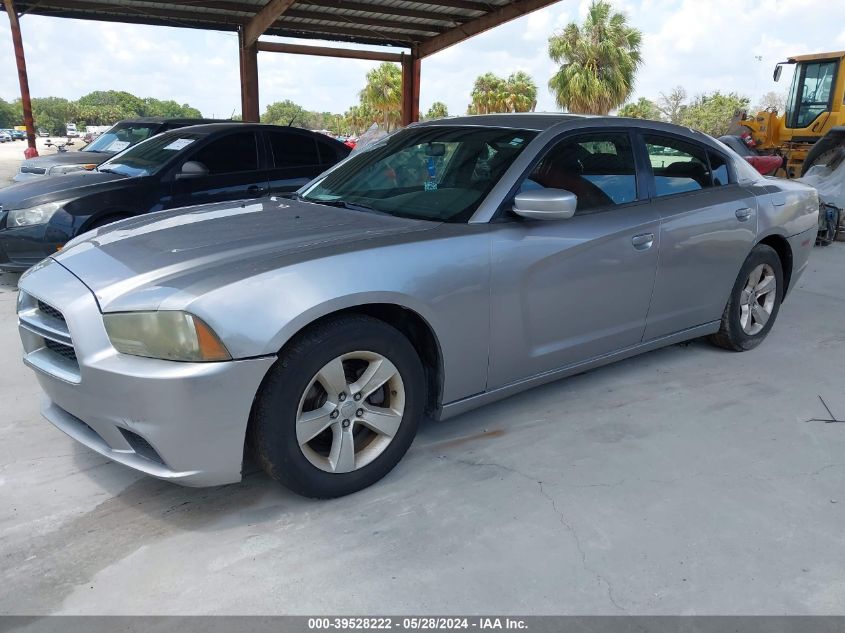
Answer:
(449, 265)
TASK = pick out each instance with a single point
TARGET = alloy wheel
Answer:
(350, 412)
(758, 299)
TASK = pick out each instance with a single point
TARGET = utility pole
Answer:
(17, 40)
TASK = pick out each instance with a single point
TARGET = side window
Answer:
(231, 154)
(328, 153)
(599, 168)
(293, 150)
(719, 170)
(677, 166)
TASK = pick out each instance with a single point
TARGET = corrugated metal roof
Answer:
(383, 22)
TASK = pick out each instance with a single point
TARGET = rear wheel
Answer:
(754, 302)
(340, 408)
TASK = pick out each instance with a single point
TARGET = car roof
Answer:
(146, 120)
(211, 128)
(542, 121)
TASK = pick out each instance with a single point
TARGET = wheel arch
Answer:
(781, 246)
(416, 328)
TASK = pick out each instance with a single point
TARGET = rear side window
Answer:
(679, 167)
(598, 168)
(231, 154)
(329, 154)
(293, 150)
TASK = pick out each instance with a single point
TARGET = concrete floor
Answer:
(685, 481)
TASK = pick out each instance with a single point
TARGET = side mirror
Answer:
(192, 169)
(546, 204)
(778, 72)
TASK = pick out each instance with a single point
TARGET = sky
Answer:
(728, 45)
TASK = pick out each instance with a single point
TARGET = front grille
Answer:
(51, 311)
(61, 349)
(25, 169)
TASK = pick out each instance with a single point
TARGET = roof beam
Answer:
(262, 20)
(355, 19)
(384, 10)
(326, 51)
(479, 25)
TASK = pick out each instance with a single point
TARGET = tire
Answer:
(828, 143)
(738, 332)
(296, 388)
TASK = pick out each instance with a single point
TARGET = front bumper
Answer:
(23, 247)
(182, 422)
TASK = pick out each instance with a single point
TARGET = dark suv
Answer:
(184, 167)
(117, 138)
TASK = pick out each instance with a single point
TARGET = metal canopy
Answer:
(430, 25)
(420, 28)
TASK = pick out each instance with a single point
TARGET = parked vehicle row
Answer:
(119, 137)
(443, 267)
(186, 166)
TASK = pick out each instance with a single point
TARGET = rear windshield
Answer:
(427, 173)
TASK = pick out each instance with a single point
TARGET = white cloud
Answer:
(702, 45)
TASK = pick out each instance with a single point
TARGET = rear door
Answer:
(234, 165)
(566, 291)
(295, 158)
(708, 224)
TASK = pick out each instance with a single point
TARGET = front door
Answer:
(566, 291)
(232, 172)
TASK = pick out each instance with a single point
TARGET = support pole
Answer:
(411, 66)
(249, 79)
(17, 41)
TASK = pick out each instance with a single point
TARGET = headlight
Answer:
(167, 335)
(30, 216)
(58, 170)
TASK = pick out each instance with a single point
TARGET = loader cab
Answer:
(816, 91)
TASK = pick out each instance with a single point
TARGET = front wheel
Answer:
(340, 408)
(754, 302)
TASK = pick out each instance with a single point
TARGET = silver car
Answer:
(449, 265)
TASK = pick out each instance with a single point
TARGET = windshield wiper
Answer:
(343, 204)
(109, 171)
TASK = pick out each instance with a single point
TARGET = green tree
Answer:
(52, 113)
(285, 113)
(599, 61)
(169, 109)
(10, 114)
(672, 105)
(438, 110)
(488, 94)
(520, 92)
(383, 92)
(102, 107)
(641, 109)
(712, 113)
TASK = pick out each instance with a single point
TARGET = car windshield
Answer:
(434, 173)
(150, 156)
(118, 137)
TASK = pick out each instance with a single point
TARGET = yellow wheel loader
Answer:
(812, 129)
(809, 136)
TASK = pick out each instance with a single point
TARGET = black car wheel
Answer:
(754, 302)
(339, 408)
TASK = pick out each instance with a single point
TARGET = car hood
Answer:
(68, 186)
(164, 260)
(68, 158)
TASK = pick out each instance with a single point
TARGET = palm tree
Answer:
(384, 92)
(599, 60)
(487, 94)
(521, 92)
(438, 110)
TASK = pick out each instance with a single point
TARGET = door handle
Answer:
(643, 242)
(743, 214)
(255, 189)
